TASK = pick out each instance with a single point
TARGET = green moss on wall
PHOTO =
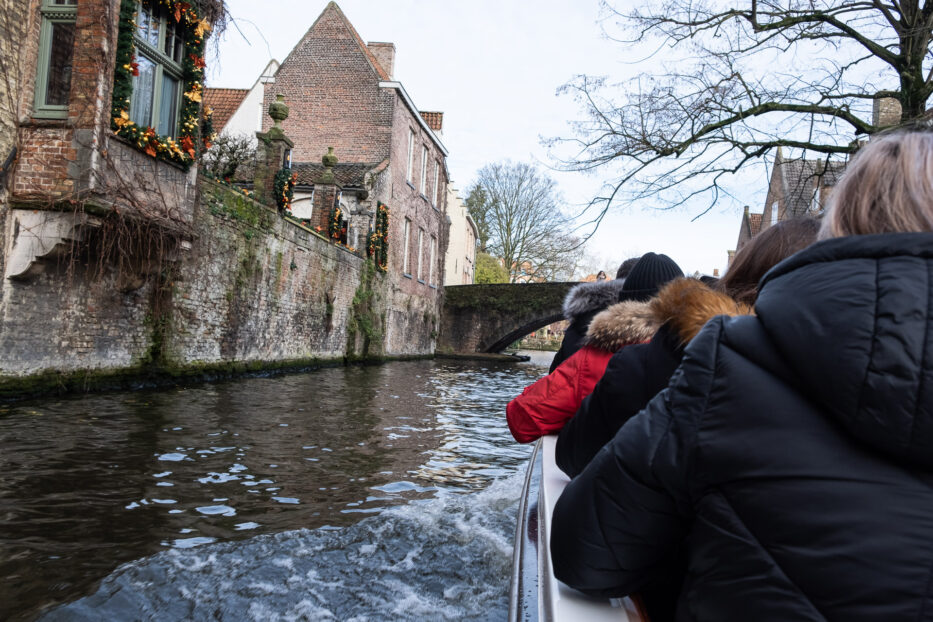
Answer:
(228, 203)
(364, 320)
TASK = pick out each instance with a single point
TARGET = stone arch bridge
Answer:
(487, 318)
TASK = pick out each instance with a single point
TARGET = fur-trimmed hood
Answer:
(621, 324)
(687, 304)
(587, 297)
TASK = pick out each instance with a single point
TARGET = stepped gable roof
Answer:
(435, 120)
(351, 174)
(224, 102)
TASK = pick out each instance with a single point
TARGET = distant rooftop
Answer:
(224, 103)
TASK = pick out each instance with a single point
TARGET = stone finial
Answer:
(278, 110)
(330, 161)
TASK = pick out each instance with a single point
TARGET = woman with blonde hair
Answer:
(790, 460)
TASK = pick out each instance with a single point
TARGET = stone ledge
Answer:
(54, 382)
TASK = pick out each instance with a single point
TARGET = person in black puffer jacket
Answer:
(635, 376)
(791, 457)
(582, 304)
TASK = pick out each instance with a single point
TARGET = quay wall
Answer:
(243, 289)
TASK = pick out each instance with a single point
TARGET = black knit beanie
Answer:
(648, 276)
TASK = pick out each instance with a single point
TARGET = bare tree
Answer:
(227, 154)
(522, 223)
(797, 74)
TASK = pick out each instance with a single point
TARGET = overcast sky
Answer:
(493, 68)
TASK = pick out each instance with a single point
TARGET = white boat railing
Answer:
(557, 601)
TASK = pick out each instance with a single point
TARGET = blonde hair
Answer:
(887, 188)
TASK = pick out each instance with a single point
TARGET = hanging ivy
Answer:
(378, 247)
(283, 187)
(193, 30)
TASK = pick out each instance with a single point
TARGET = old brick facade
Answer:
(113, 261)
(341, 96)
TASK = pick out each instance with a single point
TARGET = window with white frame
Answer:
(431, 260)
(407, 253)
(420, 252)
(56, 53)
(157, 89)
(774, 213)
(437, 185)
(411, 155)
(424, 170)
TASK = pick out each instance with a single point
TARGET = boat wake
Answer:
(443, 558)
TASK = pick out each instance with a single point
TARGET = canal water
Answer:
(364, 493)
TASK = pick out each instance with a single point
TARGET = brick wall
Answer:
(15, 24)
(333, 92)
(250, 287)
(414, 307)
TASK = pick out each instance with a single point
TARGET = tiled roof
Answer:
(435, 120)
(802, 177)
(224, 103)
(347, 175)
(754, 224)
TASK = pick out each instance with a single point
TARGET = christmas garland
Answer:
(378, 247)
(193, 30)
(283, 187)
(208, 133)
(334, 228)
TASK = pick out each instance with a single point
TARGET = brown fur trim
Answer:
(688, 304)
(621, 324)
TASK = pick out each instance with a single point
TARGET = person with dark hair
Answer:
(789, 462)
(772, 245)
(626, 267)
(581, 305)
(545, 406)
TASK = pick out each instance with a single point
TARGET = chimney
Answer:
(885, 111)
(385, 54)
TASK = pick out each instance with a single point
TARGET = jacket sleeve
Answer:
(618, 524)
(545, 406)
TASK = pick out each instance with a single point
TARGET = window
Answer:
(774, 213)
(424, 170)
(431, 260)
(815, 200)
(56, 52)
(420, 252)
(405, 262)
(157, 90)
(411, 154)
(437, 187)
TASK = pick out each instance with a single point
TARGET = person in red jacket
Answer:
(545, 406)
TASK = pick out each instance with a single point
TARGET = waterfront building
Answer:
(461, 252)
(118, 260)
(343, 95)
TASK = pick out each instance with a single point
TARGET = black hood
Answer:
(852, 317)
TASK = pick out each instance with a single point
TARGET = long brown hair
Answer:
(764, 251)
(887, 188)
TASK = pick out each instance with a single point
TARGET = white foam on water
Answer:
(442, 558)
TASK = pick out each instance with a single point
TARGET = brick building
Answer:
(342, 95)
(797, 188)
